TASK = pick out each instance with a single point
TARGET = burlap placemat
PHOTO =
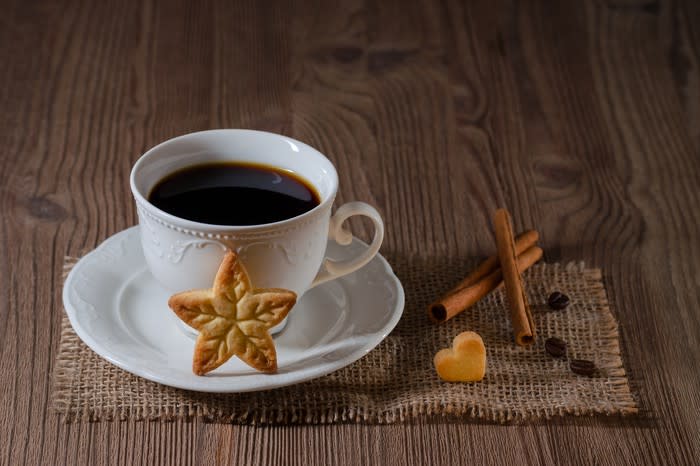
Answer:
(397, 381)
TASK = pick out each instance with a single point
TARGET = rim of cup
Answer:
(326, 199)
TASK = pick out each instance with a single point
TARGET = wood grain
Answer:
(582, 118)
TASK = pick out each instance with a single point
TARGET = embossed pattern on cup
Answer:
(183, 258)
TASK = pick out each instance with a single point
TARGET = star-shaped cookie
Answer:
(233, 318)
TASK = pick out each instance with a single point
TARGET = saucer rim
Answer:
(276, 380)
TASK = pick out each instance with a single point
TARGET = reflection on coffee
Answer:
(234, 194)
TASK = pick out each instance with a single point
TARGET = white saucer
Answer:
(118, 309)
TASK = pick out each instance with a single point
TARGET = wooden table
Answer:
(583, 119)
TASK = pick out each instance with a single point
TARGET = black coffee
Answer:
(233, 194)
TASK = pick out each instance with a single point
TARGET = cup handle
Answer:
(333, 269)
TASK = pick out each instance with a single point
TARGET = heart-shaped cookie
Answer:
(465, 361)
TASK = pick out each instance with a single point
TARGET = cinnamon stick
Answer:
(523, 241)
(520, 314)
(465, 297)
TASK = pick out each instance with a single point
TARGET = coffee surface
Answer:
(233, 194)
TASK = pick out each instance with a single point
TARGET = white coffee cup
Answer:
(183, 254)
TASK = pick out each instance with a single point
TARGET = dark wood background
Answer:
(582, 117)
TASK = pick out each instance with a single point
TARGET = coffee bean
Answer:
(555, 347)
(582, 367)
(558, 301)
